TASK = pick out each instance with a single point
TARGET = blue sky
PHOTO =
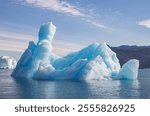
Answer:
(78, 22)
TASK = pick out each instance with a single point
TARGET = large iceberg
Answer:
(7, 62)
(96, 61)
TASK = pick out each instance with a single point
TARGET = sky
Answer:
(79, 23)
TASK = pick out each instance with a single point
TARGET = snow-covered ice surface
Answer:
(7, 62)
(96, 61)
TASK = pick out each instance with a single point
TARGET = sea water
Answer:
(93, 89)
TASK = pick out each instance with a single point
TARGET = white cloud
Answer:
(65, 7)
(55, 5)
(98, 24)
(17, 36)
(14, 41)
(145, 23)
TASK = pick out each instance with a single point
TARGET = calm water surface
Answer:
(16, 89)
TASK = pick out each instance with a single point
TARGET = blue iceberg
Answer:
(96, 61)
(129, 70)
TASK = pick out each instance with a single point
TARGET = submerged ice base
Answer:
(96, 61)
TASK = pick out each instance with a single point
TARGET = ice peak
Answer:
(47, 31)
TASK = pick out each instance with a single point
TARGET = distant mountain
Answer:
(142, 53)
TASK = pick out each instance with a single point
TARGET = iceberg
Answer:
(96, 61)
(129, 70)
(7, 62)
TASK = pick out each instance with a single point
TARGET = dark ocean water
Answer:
(17, 89)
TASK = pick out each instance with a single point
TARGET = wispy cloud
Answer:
(98, 24)
(55, 5)
(62, 6)
(145, 23)
(17, 36)
(14, 41)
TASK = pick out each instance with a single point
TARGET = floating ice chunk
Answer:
(96, 61)
(129, 70)
(7, 62)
